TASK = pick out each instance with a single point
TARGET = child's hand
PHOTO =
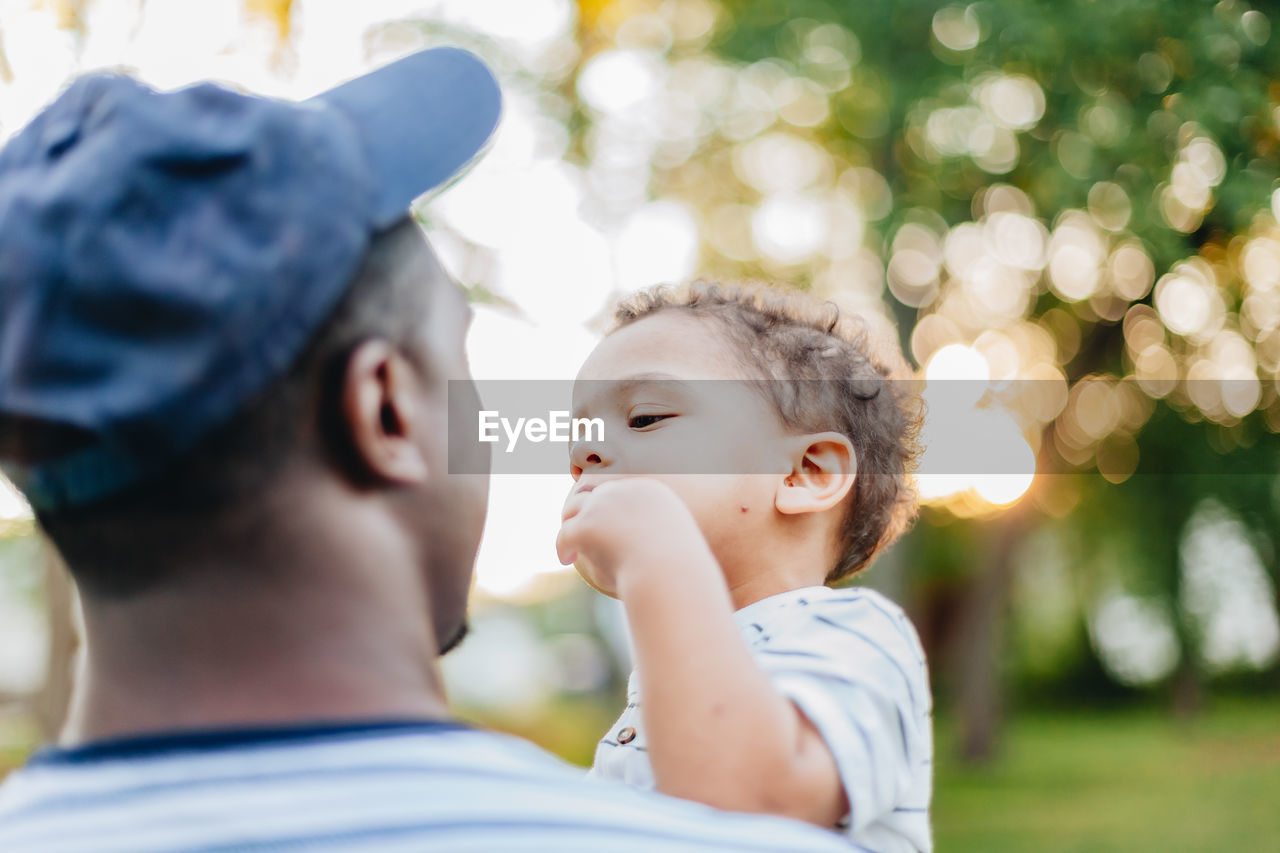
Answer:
(622, 523)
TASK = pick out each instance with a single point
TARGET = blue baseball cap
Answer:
(165, 256)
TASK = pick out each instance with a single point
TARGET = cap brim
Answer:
(423, 120)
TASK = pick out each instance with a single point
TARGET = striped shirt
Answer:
(387, 786)
(852, 663)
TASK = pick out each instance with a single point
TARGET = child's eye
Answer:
(642, 421)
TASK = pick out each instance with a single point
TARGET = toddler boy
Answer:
(756, 449)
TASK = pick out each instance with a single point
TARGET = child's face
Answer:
(678, 406)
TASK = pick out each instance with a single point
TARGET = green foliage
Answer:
(1121, 80)
(1114, 97)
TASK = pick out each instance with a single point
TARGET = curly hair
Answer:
(831, 375)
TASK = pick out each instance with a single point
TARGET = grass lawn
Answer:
(1128, 781)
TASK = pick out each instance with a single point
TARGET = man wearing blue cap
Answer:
(224, 359)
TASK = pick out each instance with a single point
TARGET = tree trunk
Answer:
(980, 639)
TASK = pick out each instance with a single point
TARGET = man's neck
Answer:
(320, 643)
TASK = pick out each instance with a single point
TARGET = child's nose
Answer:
(585, 455)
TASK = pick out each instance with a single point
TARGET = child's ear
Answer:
(823, 471)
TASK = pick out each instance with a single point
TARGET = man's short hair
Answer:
(826, 372)
(107, 544)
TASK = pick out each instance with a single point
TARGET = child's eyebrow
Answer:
(615, 389)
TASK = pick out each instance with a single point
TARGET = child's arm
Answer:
(718, 731)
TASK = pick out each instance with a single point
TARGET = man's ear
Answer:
(823, 471)
(381, 412)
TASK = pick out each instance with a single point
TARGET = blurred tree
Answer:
(1078, 191)
(278, 12)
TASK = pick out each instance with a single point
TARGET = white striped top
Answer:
(404, 785)
(851, 662)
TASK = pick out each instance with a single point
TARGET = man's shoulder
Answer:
(450, 787)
